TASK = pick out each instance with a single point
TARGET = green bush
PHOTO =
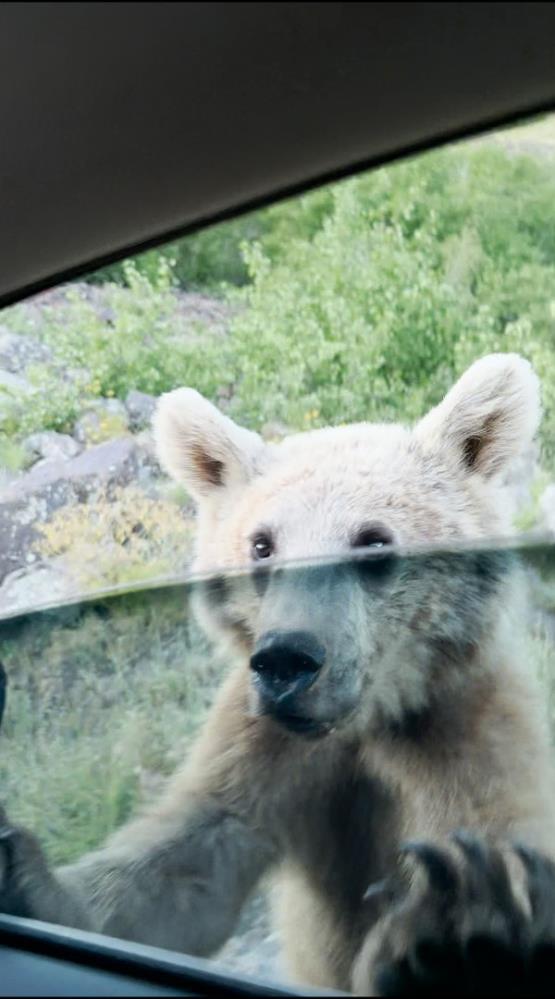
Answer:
(214, 258)
(121, 536)
(415, 271)
(12, 456)
(104, 700)
(138, 340)
(204, 260)
(140, 346)
(363, 300)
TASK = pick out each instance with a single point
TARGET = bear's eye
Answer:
(262, 546)
(372, 536)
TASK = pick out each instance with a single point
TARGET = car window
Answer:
(276, 581)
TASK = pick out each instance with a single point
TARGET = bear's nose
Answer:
(285, 663)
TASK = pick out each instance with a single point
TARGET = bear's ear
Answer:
(200, 447)
(488, 418)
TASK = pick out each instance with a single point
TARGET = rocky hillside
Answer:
(54, 483)
(89, 507)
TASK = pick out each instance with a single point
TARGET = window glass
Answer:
(347, 635)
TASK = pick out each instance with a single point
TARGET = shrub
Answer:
(415, 271)
(121, 538)
(137, 340)
(13, 457)
(214, 258)
(100, 426)
(104, 699)
(364, 300)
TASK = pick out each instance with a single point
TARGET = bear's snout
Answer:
(285, 664)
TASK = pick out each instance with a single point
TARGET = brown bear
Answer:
(381, 693)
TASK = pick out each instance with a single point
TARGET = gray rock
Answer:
(51, 446)
(520, 476)
(103, 417)
(13, 385)
(114, 463)
(254, 948)
(547, 508)
(148, 466)
(22, 511)
(140, 408)
(18, 352)
(34, 497)
(27, 589)
(275, 431)
(79, 376)
(6, 477)
(14, 390)
(196, 310)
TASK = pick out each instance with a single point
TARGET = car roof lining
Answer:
(182, 231)
(124, 128)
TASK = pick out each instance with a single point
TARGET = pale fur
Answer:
(434, 645)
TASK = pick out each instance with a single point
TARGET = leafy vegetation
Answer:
(360, 301)
(415, 271)
(122, 686)
(363, 300)
(105, 698)
(135, 340)
(116, 539)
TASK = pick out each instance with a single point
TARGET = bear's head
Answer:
(355, 632)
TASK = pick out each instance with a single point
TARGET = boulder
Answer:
(50, 446)
(140, 409)
(547, 508)
(18, 352)
(27, 589)
(6, 478)
(254, 949)
(33, 497)
(196, 311)
(13, 385)
(275, 431)
(105, 419)
(520, 476)
(13, 388)
(148, 468)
